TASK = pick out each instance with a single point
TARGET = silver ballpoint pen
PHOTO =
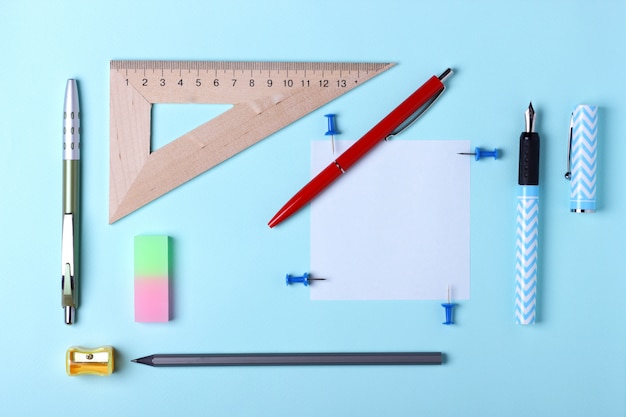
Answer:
(71, 190)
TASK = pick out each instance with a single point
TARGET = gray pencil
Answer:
(278, 359)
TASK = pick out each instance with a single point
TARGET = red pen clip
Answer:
(408, 122)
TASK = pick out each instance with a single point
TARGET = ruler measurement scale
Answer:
(287, 82)
(266, 96)
(182, 80)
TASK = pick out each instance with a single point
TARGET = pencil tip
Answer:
(146, 360)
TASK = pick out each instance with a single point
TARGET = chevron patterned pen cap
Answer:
(583, 158)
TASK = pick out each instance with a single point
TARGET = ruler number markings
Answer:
(286, 75)
(237, 83)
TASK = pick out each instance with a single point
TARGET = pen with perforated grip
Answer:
(71, 190)
(527, 223)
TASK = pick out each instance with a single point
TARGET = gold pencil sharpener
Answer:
(81, 361)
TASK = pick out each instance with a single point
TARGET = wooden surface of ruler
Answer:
(266, 96)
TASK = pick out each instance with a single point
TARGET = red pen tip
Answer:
(278, 217)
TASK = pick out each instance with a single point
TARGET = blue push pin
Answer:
(449, 307)
(304, 279)
(332, 130)
(481, 153)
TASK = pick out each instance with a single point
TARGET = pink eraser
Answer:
(152, 271)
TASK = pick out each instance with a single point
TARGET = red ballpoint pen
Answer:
(395, 122)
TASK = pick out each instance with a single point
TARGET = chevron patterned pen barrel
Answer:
(526, 254)
(584, 147)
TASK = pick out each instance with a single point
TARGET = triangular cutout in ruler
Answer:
(170, 121)
(266, 96)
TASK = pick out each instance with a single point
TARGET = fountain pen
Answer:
(71, 189)
(395, 122)
(527, 230)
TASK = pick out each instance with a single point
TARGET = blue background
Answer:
(229, 294)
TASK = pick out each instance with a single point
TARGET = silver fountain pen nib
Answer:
(529, 116)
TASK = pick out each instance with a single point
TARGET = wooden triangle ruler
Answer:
(266, 96)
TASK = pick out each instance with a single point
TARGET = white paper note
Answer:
(396, 226)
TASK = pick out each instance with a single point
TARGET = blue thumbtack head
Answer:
(304, 279)
(481, 153)
(332, 129)
(448, 307)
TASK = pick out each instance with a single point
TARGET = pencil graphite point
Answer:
(146, 360)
